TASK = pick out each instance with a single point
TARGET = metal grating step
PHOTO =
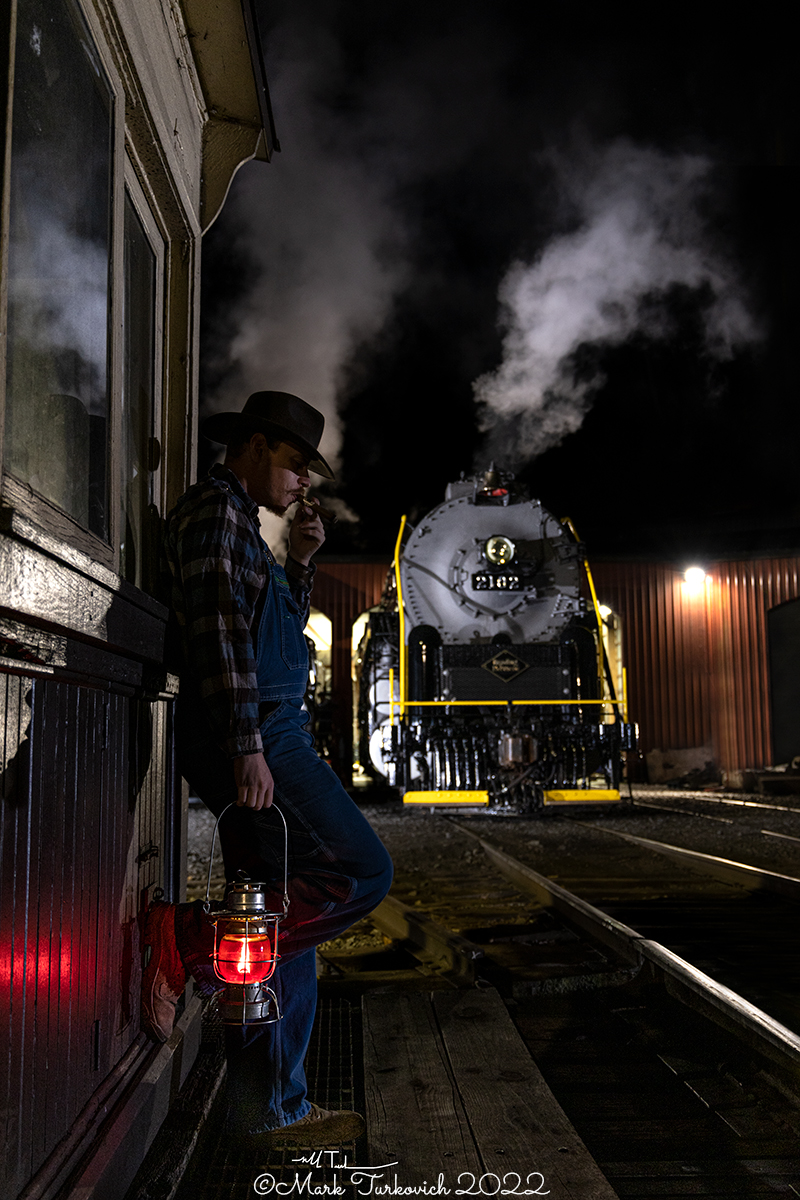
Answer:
(223, 1168)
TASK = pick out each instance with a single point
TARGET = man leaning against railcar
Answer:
(242, 740)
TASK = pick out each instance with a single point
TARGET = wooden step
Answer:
(455, 1101)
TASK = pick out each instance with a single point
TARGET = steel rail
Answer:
(697, 798)
(726, 869)
(789, 837)
(600, 925)
(683, 981)
(701, 816)
(681, 812)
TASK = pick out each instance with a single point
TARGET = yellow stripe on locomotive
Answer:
(490, 669)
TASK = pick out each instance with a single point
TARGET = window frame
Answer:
(158, 241)
(158, 148)
(14, 493)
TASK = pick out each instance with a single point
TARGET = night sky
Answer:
(425, 148)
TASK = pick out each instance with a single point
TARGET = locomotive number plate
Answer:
(507, 581)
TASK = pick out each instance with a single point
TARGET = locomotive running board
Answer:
(583, 796)
(470, 799)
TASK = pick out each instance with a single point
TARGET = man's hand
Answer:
(253, 781)
(305, 534)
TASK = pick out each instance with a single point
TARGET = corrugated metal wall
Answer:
(739, 597)
(697, 659)
(84, 839)
(343, 590)
(665, 649)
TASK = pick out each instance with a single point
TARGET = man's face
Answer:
(277, 478)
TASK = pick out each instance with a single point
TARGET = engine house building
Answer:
(123, 124)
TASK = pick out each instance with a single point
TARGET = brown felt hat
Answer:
(275, 414)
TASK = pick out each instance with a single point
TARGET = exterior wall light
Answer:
(694, 582)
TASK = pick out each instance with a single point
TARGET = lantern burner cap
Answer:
(246, 897)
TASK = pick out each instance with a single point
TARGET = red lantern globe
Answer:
(246, 942)
(244, 958)
(246, 954)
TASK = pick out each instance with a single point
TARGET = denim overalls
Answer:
(281, 651)
(338, 868)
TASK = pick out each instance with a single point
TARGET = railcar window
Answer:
(58, 298)
(139, 445)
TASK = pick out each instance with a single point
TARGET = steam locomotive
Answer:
(484, 676)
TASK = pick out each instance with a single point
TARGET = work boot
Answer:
(320, 1127)
(164, 978)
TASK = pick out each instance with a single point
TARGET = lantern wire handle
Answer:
(207, 901)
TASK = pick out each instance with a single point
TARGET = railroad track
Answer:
(734, 920)
(721, 808)
(734, 800)
(677, 1084)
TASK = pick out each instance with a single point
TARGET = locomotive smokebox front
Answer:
(489, 684)
(481, 572)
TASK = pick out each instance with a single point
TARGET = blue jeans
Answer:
(339, 871)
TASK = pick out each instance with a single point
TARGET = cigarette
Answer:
(328, 517)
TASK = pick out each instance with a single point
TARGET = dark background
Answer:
(679, 456)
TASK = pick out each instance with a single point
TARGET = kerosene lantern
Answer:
(246, 947)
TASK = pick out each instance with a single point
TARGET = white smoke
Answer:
(326, 243)
(638, 232)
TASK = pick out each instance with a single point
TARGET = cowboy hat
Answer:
(275, 414)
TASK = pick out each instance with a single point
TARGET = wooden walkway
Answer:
(455, 1100)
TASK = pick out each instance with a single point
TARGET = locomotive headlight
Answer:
(499, 550)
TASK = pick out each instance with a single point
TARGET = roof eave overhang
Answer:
(238, 125)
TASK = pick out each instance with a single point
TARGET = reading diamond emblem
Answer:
(505, 666)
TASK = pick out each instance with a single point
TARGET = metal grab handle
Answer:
(207, 901)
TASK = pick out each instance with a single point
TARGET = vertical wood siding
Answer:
(82, 846)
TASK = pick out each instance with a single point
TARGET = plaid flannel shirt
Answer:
(218, 567)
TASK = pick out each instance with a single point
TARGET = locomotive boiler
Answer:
(484, 677)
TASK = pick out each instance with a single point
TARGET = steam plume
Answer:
(324, 238)
(638, 232)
